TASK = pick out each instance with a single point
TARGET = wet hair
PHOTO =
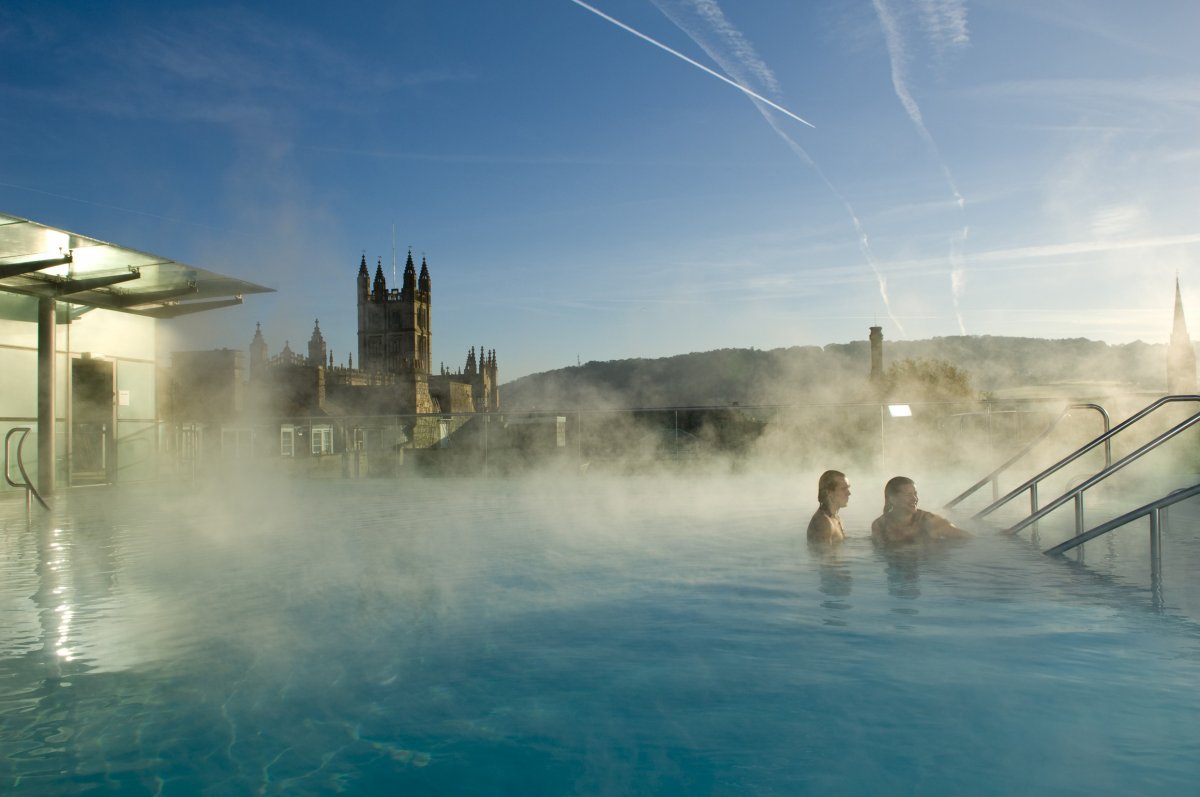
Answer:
(892, 487)
(829, 481)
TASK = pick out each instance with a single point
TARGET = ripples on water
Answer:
(572, 636)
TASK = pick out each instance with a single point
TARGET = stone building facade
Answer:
(394, 374)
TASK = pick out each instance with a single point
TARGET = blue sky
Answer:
(991, 168)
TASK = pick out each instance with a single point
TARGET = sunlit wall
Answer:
(118, 342)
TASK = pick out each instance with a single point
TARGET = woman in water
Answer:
(902, 522)
(833, 493)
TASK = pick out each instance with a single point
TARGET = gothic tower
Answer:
(316, 346)
(394, 334)
(258, 353)
(1181, 355)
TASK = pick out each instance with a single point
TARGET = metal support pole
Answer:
(1155, 546)
(1078, 513)
(45, 396)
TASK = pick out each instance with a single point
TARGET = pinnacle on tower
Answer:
(379, 288)
(423, 281)
(409, 284)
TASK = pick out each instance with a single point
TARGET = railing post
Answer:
(1155, 545)
(1078, 513)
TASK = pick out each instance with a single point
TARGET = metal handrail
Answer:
(1076, 493)
(994, 476)
(1032, 484)
(1152, 509)
(30, 491)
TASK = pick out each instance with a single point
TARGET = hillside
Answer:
(838, 373)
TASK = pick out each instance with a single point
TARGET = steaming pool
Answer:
(567, 636)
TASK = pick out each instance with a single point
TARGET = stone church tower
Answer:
(316, 346)
(1181, 355)
(258, 353)
(393, 325)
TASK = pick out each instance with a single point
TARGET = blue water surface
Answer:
(567, 636)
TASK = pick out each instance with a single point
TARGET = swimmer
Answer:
(833, 493)
(902, 522)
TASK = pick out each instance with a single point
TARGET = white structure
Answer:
(78, 342)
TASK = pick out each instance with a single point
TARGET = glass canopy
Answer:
(37, 260)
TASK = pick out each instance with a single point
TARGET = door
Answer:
(93, 422)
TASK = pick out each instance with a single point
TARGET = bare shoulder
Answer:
(820, 528)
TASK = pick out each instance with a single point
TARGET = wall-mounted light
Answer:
(900, 410)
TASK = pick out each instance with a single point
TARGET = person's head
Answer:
(833, 490)
(900, 491)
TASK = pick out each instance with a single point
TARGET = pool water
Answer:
(566, 636)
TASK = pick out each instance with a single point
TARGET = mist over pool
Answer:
(567, 635)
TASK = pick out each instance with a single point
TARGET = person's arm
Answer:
(877, 533)
(940, 528)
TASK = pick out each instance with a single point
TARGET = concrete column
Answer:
(45, 396)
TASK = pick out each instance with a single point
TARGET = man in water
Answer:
(902, 522)
(833, 493)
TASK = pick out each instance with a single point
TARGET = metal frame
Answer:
(30, 491)
(1076, 493)
(994, 476)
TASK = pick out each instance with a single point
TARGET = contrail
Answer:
(896, 55)
(696, 64)
(745, 56)
(864, 244)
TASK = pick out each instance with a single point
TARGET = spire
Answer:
(316, 346)
(379, 288)
(410, 276)
(362, 266)
(258, 352)
(1181, 354)
(423, 281)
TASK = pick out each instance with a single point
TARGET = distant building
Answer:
(1181, 354)
(394, 375)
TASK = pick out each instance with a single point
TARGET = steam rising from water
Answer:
(564, 632)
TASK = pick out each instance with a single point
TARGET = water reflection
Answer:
(834, 579)
(902, 565)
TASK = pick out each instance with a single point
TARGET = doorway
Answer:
(93, 421)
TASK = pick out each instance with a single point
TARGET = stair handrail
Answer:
(994, 476)
(1077, 492)
(1152, 509)
(1032, 483)
(30, 490)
